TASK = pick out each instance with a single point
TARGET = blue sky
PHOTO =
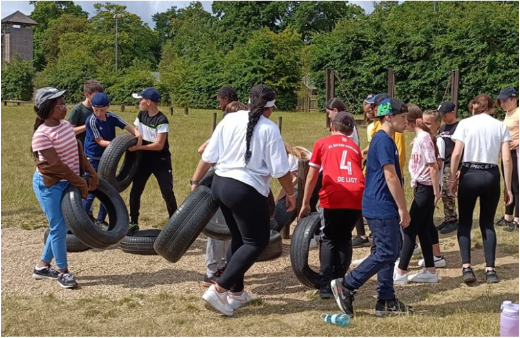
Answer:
(145, 9)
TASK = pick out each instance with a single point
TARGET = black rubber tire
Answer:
(186, 224)
(81, 224)
(141, 242)
(218, 231)
(110, 159)
(208, 178)
(274, 249)
(282, 217)
(73, 244)
(299, 253)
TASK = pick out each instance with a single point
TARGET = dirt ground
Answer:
(112, 273)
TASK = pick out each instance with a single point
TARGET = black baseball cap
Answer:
(446, 107)
(390, 106)
(506, 93)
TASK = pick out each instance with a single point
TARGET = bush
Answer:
(17, 80)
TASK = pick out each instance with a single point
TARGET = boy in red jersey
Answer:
(340, 197)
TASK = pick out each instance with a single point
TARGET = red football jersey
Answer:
(343, 179)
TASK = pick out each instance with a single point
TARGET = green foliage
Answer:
(17, 80)
(119, 87)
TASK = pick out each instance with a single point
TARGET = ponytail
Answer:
(258, 98)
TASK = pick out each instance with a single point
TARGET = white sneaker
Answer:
(218, 300)
(424, 276)
(400, 279)
(359, 261)
(439, 262)
(416, 250)
(238, 301)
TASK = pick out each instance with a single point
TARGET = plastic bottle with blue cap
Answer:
(336, 319)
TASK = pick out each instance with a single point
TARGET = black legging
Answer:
(514, 186)
(421, 215)
(336, 243)
(247, 216)
(475, 183)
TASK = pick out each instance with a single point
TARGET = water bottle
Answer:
(336, 319)
(509, 320)
(505, 303)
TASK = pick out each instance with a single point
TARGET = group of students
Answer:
(66, 150)
(247, 149)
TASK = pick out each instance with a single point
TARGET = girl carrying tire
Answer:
(57, 152)
(248, 149)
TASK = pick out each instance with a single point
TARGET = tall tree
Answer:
(44, 12)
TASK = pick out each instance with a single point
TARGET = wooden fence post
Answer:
(186, 110)
(330, 89)
(5, 103)
(280, 124)
(391, 82)
(455, 78)
(122, 108)
(171, 110)
(214, 121)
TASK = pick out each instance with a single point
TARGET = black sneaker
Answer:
(468, 276)
(325, 292)
(67, 281)
(45, 273)
(209, 281)
(501, 222)
(511, 226)
(450, 227)
(343, 296)
(132, 228)
(392, 307)
(92, 218)
(360, 242)
(441, 226)
(491, 277)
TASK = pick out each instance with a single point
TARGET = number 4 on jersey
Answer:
(347, 165)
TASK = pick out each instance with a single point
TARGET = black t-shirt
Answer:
(149, 127)
(446, 132)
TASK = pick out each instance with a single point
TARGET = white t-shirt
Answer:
(482, 136)
(423, 153)
(227, 148)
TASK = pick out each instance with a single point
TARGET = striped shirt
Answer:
(62, 139)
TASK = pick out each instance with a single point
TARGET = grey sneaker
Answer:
(343, 296)
(67, 281)
(45, 273)
(392, 307)
(450, 227)
(511, 226)
(102, 225)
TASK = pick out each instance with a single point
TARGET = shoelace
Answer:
(67, 277)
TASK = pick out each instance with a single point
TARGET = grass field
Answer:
(127, 295)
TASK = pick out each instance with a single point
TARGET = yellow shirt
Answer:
(399, 140)
(511, 121)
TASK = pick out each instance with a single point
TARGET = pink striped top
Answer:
(62, 139)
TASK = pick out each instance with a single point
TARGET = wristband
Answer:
(192, 182)
(290, 196)
(453, 181)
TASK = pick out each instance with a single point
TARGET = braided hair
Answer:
(258, 97)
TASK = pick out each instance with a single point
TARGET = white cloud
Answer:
(145, 9)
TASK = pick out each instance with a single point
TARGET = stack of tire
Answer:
(83, 232)
(194, 216)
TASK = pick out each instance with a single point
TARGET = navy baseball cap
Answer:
(376, 98)
(390, 106)
(149, 93)
(100, 100)
(506, 93)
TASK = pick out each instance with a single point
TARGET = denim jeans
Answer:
(87, 204)
(387, 242)
(216, 249)
(50, 202)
